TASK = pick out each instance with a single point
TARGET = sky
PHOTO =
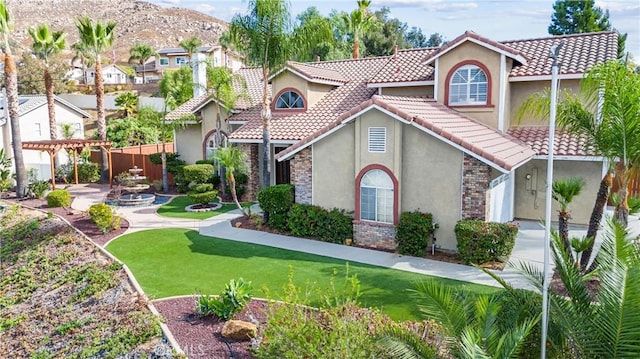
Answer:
(495, 19)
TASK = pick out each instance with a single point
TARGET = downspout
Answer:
(435, 80)
(503, 93)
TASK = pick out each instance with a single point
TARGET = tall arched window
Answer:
(289, 100)
(468, 85)
(376, 197)
(213, 142)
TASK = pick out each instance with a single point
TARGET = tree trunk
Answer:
(11, 84)
(596, 216)
(165, 172)
(266, 136)
(143, 74)
(232, 188)
(223, 181)
(356, 47)
(621, 212)
(563, 230)
(53, 128)
(102, 121)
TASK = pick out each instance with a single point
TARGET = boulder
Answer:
(239, 330)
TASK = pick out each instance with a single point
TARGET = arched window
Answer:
(376, 197)
(289, 100)
(468, 85)
(213, 142)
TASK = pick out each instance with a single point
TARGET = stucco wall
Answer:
(432, 182)
(409, 91)
(315, 92)
(520, 91)
(189, 143)
(287, 79)
(491, 60)
(334, 170)
(388, 158)
(530, 204)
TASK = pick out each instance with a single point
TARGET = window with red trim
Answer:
(376, 197)
(289, 100)
(468, 85)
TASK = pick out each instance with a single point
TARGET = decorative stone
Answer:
(239, 330)
(198, 208)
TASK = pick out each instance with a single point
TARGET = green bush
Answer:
(481, 242)
(87, 172)
(102, 215)
(203, 198)
(414, 233)
(38, 188)
(205, 162)
(201, 187)
(278, 221)
(174, 164)
(316, 222)
(233, 299)
(198, 173)
(276, 199)
(59, 198)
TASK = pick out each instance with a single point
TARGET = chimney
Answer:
(395, 51)
(199, 66)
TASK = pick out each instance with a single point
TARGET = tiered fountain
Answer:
(134, 187)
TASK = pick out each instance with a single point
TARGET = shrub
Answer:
(481, 242)
(59, 198)
(38, 188)
(198, 173)
(201, 187)
(414, 232)
(233, 299)
(205, 162)
(157, 185)
(316, 222)
(276, 199)
(278, 221)
(102, 215)
(174, 164)
(87, 172)
(203, 198)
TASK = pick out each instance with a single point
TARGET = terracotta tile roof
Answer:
(287, 127)
(316, 72)
(513, 52)
(578, 54)
(407, 66)
(564, 143)
(253, 79)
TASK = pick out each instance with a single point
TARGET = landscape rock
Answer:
(239, 330)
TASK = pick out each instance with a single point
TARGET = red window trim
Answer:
(289, 110)
(454, 69)
(396, 192)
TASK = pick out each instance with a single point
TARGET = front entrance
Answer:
(283, 170)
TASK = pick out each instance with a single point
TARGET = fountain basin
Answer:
(136, 199)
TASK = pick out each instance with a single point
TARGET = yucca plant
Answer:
(563, 192)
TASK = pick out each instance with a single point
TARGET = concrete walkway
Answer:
(528, 248)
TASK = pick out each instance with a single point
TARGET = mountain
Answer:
(137, 21)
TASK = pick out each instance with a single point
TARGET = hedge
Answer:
(59, 198)
(198, 173)
(481, 242)
(315, 222)
(414, 233)
(276, 201)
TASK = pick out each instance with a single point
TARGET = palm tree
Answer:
(563, 191)
(83, 55)
(96, 39)
(11, 85)
(141, 53)
(358, 23)
(269, 39)
(45, 45)
(191, 46)
(233, 160)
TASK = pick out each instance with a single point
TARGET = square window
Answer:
(164, 61)
(181, 60)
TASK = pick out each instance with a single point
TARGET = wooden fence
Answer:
(123, 159)
(634, 186)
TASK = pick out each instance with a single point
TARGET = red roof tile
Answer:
(515, 53)
(407, 66)
(316, 73)
(564, 143)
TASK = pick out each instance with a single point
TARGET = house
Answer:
(34, 126)
(429, 129)
(175, 57)
(111, 74)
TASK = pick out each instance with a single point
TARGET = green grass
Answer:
(176, 261)
(175, 209)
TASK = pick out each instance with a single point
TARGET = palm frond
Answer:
(402, 344)
(438, 302)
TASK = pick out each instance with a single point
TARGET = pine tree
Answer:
(578, 16)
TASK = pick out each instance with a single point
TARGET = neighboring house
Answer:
(149, 70)
(175, 57)
(423, 129)
(34, 126)
(111, 74)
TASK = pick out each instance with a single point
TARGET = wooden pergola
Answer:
(75, 146)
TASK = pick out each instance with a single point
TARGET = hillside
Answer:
(137, 21)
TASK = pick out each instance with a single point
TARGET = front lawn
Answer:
(175, 209)
(176, 261)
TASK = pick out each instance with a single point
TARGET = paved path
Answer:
(528, 248)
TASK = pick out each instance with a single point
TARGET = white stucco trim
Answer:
(521, 59)
(400, 84)
(243, 140)
(571, 158)
(545, 77)
(435, 79)
(502, 89)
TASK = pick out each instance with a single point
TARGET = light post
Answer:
(555, 66)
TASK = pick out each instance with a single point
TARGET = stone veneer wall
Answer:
(374, 235)
(301, 175)
(475, 180)
(253, 170)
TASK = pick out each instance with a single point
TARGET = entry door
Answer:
(283, 170)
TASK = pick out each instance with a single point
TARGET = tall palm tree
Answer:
(191, 46)
(96, 39)
(81, 54)
(358, 22)
(233, 160)
(563, 192)
(141, 53)
(11, 85)
(47, 43)
(269, 39)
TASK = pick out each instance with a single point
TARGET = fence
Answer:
(123, 159)
(634, 186)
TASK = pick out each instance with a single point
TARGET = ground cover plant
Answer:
(175, 209)
(61, 298)
(178, 262)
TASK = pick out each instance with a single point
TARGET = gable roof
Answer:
(480, 40)
(406, 66)
(28, 103)
(312, 73)
(564, 143)
(501, 151)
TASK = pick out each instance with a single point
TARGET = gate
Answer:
(500, 199)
